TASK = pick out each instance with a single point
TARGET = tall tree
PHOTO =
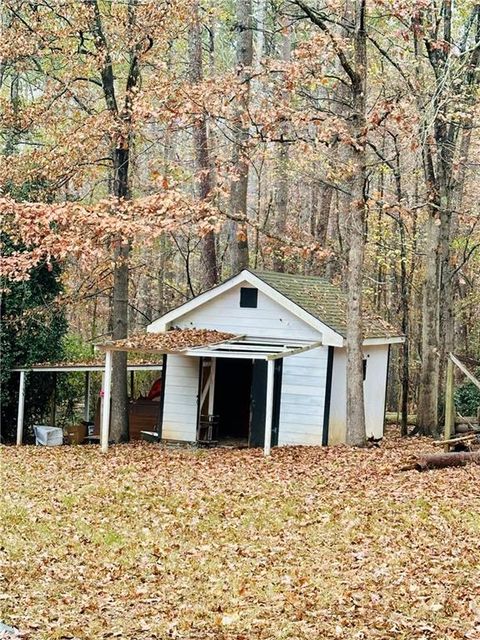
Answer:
(240, 164)
(121, 141)
(201, 148)
(445, 131)
(355, 70)
(282, 173)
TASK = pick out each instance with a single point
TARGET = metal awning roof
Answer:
(252, 348)
(210, 343)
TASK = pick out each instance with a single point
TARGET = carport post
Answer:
(86, 398)
(269, 408)
(21, 408)
(105, 422)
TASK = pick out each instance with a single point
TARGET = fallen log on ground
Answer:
(391, 417)
(469, 437)
(443, 460)
(395, 418)
(467, 428)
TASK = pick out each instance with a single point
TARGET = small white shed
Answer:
(287, 368)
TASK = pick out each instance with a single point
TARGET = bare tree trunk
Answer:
(438, 155)
(119, 430)
(281, 196)
(355, 434)
(12, 136)
(200, 141)
(239, 187)
(427, 410)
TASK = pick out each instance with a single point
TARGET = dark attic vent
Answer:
(248, 297)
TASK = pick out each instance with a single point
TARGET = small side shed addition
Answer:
(280, 378)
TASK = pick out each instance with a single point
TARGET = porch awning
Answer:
(210, 343)
(249, 347)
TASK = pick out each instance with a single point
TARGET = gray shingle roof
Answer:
(324, 301)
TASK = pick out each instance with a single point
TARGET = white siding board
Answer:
(303, 378)
(303, 398)
(268, 320)
(375, 388)
(373, 393)
(180, 400)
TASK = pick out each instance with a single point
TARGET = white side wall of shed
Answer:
(303, 377)
(180, 399)
(374, 388)
(303, 398)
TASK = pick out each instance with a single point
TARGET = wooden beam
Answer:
(53, 401)
(105, 421)
(464, 370)
(21, 408)
(206, 388)
(211, 391)
(466, 438)
(392, 417)
(269, 408)
(293, 352)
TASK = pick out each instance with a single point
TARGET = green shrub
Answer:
(467, 398)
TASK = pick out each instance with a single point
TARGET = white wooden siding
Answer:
(373, 391)
(268, 320)
(303, 398)
(374, 388)
(304, 375)
(180, 402)
(247, 279)
(338, 398)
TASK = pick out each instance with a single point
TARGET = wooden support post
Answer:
(53, 402)
(211, 390)
(21, 408)
(102, 387)
(105, 421)
(86, 398)
(449, 405)
(464, 370)
(269, 408)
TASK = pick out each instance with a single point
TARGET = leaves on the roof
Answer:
(170, 341)
(97, 360)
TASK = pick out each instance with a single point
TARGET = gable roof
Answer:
(324, 301)
(312, 299)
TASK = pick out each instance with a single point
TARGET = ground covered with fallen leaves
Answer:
(311, 543)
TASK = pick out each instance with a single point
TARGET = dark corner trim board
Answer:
(328, 396)
(162, 397)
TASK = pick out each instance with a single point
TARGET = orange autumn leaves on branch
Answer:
(59, 231)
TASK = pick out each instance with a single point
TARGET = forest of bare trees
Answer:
(152, 149)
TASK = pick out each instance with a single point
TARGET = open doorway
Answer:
(232, 401)
(233, 383)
